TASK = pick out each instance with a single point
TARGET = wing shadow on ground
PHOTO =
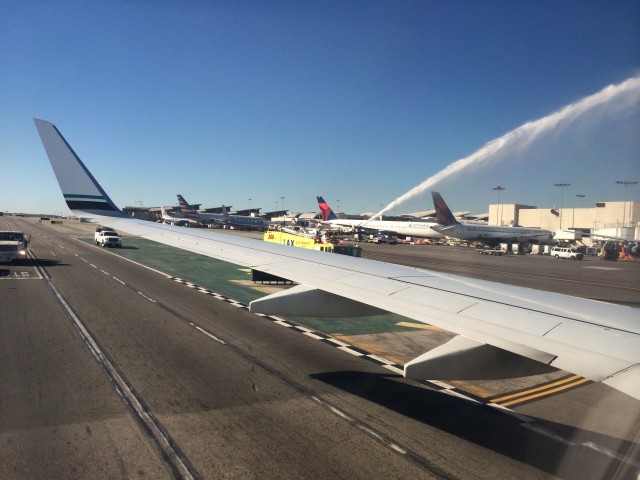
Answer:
(491, 429)
(46, 263)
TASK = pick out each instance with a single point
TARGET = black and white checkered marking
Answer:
(340, 345)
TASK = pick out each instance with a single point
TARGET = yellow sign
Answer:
(296, 241)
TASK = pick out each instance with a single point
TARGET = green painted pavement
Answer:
(223, 278)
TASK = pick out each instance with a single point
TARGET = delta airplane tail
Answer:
(444, 215)
(187, 210)
(325, 211)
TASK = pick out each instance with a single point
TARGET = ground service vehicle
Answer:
(566, 252)
(107, 237)
(487, 250)
(13, 246)
(310, 242)
(384, 240)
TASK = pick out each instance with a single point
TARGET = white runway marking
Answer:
(148, 298)
(381, 438)
(208, 334)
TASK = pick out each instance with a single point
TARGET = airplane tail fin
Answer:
(81, 191)
(186, 209)
(183, 203)
(444, 215)
(325, 211)
(225, 216)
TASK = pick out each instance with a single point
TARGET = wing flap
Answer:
(526, 321)
(598, 339)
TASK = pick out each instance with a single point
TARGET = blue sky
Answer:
(358, 101)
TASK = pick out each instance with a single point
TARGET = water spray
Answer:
(524, 135)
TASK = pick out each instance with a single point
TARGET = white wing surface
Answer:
(499, 326)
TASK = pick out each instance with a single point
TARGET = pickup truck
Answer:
(107, 237)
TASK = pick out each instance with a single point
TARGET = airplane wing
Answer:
(498, 326)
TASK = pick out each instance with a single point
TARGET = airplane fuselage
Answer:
(494, 233)
(410, 229)
(231, 220)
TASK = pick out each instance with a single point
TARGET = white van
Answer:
(566, 252)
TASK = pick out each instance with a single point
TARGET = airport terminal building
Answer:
(615, 219)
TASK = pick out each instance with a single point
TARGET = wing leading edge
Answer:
(597, 340)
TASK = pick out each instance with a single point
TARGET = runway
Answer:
(229, 394)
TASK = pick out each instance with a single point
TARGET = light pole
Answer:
(626, 183)
(573, 219)
(561, 185)
(249, 206)
(284, 217)
(499, 188)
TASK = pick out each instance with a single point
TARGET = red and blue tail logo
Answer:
(186, 209)
(326, 213)
(444, 215)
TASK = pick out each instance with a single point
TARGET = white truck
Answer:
(13, 246)
(566, 252)
(107, 237)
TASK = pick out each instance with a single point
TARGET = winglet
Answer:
(325, 210)
(444, 215)
(81, 191)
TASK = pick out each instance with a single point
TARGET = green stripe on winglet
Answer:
(73, 195)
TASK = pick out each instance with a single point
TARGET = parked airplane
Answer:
(411, 228)
(224, 219)
(500, 328)
(166, 218)
(488, 234)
